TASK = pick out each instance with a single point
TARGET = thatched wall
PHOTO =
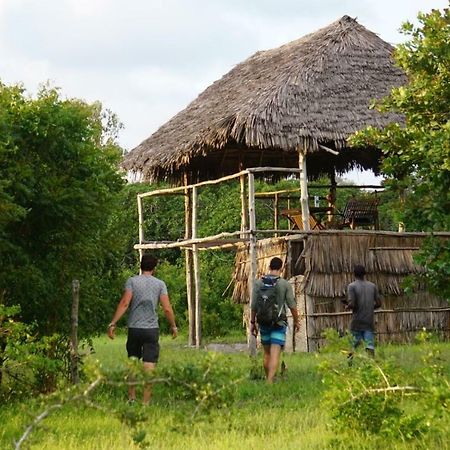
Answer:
(329, 260)
(320, 266)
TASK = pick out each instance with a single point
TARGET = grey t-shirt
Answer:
(363, 298)
(146, 291)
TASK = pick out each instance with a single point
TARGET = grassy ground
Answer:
(287, 415)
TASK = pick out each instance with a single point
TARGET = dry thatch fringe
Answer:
(330, 259)
(315, 90)
(266, 249)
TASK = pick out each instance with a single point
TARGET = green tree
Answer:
(417, 154)
(58, 185)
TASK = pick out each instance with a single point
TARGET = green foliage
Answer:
(417, 155)
(379, 397)
(29, 364)
(208, 384)
(287, 414)
(58, 184)
(435, 256)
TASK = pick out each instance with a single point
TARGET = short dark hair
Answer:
(359, 271)
(275, 264)
(148, 262)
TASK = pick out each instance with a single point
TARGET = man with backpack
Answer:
(271, 295)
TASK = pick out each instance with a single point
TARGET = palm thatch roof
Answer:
(312, 92)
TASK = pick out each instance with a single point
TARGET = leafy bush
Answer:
(378, 397)
(29, 365)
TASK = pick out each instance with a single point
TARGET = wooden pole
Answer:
(244, 222)
(198, 306)
(74, 333)
(252, 250)
(189, 263)
(304, 189)
(275, 212)
(141, 225)
(331, 197)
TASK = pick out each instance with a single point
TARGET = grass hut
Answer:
(320, 267)
(302, 99)
(290, 107)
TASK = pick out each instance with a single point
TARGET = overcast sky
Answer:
(147, 59)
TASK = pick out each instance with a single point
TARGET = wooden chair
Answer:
(360, 212)
(295, 218)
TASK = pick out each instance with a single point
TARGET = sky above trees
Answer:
(146, 60)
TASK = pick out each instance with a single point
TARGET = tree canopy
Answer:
(58, 185)
(417, 155)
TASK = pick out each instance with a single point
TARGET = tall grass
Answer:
(286, 415)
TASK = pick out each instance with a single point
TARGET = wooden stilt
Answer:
(275, 213)
(252, 249)
(304, 189)
(244, 222)
(141, 225)
(195, 256)
(331, 197)
(189, 263)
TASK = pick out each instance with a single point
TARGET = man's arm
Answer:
(168, 312)
(292, 305)
(295, 316)
(120, 311)
(377, 301)
(351, 297)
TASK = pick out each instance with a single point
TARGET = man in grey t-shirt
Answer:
(141, 297)
(362, 298)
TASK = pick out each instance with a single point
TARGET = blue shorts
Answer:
(273, 335)
(363, 335)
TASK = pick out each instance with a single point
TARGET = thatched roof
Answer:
(313, 91)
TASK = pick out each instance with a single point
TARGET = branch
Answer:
(383, 390)
(45, 413)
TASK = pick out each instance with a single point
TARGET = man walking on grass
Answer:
(271, 295)
(362, 298)
(141, 296)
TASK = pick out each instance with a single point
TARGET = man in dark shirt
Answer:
(363, 299)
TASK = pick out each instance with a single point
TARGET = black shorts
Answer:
(143, 343)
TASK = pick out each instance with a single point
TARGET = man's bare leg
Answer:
(148, 366)
(131, 393)
(275, 352)
(266, 359)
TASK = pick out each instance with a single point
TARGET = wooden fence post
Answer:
(74, 332)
